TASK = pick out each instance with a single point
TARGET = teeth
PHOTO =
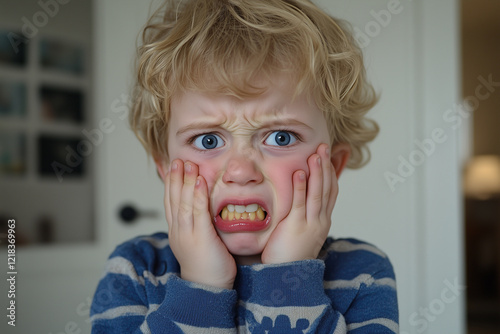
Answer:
(251, 207)
(243, 208)
(248, 212)
(224, 213)
(260, 214)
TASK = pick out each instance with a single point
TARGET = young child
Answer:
(251, 109)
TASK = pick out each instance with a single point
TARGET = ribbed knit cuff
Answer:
(197, 305)
(297, 283)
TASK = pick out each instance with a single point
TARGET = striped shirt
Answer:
(350, 288)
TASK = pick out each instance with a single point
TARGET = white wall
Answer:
(413, 60)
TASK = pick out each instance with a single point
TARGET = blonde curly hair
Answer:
(223, 45)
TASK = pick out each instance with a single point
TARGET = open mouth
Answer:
(251, 212)
(247, 215)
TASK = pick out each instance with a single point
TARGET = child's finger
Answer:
(299, 182)
(168, 208)
(201, 212)
(176, 183)
(334, 191)
(327, 166)
(314, 188)
(185, 217)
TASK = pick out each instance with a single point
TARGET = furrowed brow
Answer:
(197, 126)
(262, 124)
(284, 122)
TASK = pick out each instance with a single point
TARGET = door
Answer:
(405, 43)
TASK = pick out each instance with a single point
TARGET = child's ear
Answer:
(340, 154)
(161, 167)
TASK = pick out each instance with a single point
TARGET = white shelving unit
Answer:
(48, 208)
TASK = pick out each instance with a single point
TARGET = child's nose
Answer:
(242, 170)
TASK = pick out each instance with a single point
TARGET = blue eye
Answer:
(280, 138)
(208, 141)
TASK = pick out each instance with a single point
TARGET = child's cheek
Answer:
(210, 171)
(206, 168)
(280, 174)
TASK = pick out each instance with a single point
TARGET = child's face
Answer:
(247, 151)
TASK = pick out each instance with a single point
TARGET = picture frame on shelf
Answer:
(13, 49)
(57, 55)
(13, 97)
(12, 153)
(61, 104)
(60, 156)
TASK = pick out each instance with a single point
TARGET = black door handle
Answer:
(129, 214)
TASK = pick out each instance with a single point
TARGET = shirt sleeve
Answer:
(135, 296)
(290, 298)
(361, 284)
(351, 292)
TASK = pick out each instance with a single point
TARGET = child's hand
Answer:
(302, 233)
(202, 256)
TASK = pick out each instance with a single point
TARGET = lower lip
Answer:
(241, 225)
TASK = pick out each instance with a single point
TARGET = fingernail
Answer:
(327, 151)
(302, 176)
(174, 166)
(197, 182)
(318, 161)
(187, 166)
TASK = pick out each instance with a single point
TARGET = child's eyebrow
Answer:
(284, 122)
(196, 126)
(268, 124)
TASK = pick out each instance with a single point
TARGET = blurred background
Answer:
(77, 182)
(45, 103)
